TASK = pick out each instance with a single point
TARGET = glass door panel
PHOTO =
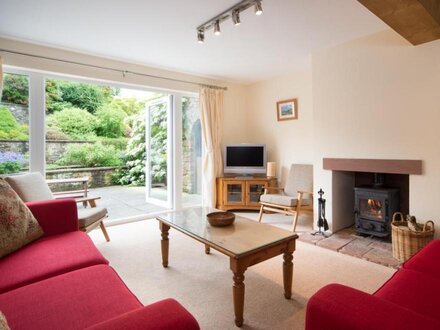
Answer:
(370, 208)
(234, 193)
(159, 151)
(14, 124)
(191, 152)
(254, 191)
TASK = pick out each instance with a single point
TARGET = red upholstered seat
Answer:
(413, 290)
(426, 260)
(74, 300)
(47, 257)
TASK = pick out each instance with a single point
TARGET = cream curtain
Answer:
(1, 77)
(211, 104)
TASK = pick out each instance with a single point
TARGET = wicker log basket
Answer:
(408, 242)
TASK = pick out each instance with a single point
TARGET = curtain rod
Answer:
(123, 72)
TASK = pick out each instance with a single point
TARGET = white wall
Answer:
(379, 97)
(287, 141)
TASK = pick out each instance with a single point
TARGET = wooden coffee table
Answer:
(245, 242)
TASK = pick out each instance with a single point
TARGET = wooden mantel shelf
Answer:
(392, 166)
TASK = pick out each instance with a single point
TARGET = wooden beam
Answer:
(418, 21)
(392, 166)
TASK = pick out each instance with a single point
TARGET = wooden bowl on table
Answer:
(220, 219)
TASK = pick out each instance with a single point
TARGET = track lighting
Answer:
(217, 28)
(236, 17)
(231, 13)
(200, 36)
(258, 8)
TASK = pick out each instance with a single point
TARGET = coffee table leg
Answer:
(207, 249)
(288, 274)
(238, 292)
(164, 243)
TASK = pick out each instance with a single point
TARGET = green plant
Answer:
(54, 133)
(131, 106)
(136, 148)
(110, 122)
(90, 155)
(11, 162)
(118, 143)
(9, 128)
(77, 123)
(135, 154)
(15, 89)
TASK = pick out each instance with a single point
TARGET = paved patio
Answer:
(124, 202)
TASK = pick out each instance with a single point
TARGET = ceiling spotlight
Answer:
(258, 8)
(217, 28)
(236, 17)
(200, 36)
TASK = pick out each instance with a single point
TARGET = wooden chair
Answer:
(33, 187)
(290, 200)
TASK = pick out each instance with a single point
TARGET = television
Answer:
(246, 159)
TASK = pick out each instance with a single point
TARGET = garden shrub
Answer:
(11, 162)
(15, 89)
(54, 133)
(110, 122)
(118, 143)
(77, 123)
(85, 96)
(90, 155)
(9, 128)
(135, 155)
(131, 106)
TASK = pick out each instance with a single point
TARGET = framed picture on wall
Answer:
(287, 109)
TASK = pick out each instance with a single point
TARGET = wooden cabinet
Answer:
(241, 193)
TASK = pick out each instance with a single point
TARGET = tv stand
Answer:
(242, 193)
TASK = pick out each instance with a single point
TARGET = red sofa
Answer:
(410, 299)
(62, 281)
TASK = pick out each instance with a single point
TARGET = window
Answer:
(14, 124)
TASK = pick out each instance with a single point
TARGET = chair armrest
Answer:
(305, 192)
(339, 307)
(164, 314)
(55, 216)
(273, 188)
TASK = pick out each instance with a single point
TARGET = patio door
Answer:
(159, 152)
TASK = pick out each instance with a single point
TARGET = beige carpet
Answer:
(203, 283)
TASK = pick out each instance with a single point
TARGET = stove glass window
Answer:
(371, 208)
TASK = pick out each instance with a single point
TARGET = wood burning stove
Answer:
(374, 208)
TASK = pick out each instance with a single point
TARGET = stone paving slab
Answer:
(357, 248)
(334, 242)
(309, 238)
(383, 257)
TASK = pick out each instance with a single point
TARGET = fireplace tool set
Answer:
(322, 221)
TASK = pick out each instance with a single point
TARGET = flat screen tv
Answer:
(245, 159)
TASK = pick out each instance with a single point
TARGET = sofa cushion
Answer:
(89, 216)
(30, 187)
(282, 200)
(46, 257)
(74, 300)
(18, 226)
(426, 260)
(3, 323)
(414, 291)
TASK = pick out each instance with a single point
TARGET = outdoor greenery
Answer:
(15, 89)
(11, 162)
(9, 128)
(76, 123)
(91, 155)
(114, 127)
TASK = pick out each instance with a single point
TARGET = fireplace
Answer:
(374, 208)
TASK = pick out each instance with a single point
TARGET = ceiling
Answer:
(163, 33)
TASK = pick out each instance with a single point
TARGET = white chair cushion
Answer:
(30, 187)
(282, 200)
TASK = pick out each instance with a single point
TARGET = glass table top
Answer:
(242, 237)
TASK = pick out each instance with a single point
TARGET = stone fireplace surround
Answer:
(347, 173)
